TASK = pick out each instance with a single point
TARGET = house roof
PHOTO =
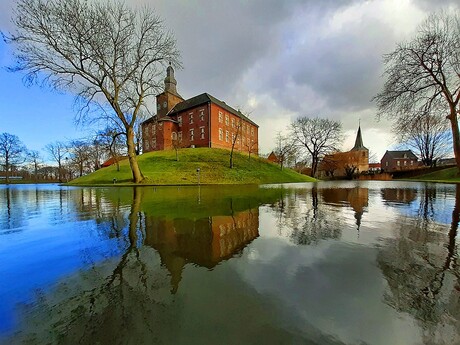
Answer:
(400, 154)
(205, 98)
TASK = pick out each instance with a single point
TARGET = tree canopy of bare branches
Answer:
(424, 74)
(284, 147)
(12, 151)
(103, 51)
(427, 134)
(319, 136)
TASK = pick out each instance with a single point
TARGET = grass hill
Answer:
(161, 168)
(446, 175)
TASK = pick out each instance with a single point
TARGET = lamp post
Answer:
(198, 175)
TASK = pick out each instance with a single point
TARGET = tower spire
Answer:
(170, 81)
(359, 140)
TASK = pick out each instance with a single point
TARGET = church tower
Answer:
(169, 97)
(360, 152)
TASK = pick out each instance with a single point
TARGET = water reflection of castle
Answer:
(204, 242)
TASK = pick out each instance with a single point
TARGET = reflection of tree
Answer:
(421, 269)
(98, 305)
(311, 215)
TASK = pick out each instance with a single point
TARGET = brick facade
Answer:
(201, 121)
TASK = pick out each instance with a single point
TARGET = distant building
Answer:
(337, 164)
(398, 160)
(201, 121)
(272, 157)
(375, 167)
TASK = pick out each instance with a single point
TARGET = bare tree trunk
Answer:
(455, 135)
(137, 175)
(7, 168)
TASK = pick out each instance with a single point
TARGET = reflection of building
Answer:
(201, 121)
(205, 241)
(356, 198)
(399, 195)
(347, 163)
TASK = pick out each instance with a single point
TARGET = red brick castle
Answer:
(200, 121)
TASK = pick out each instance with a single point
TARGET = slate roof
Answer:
(205, 98)
(400, 154)
(359, 142)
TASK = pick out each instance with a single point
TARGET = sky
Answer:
(277, 60)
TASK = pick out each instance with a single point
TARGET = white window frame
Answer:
(202, 132)
(227, 137)
(221, 134)
(179, 119)
(192, 134)
(201, 114)
(227, 119)
(190, 118)
(221, 119)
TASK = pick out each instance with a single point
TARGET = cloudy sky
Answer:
(276, 59)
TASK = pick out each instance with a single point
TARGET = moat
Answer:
(312, 263)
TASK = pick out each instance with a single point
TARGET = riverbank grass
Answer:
(449, 175)
(161, 168)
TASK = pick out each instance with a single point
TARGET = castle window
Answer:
(179, 119)
(233, 123)
(221, 134)
(147, 146)
(202, 132)
(179, 136)
(191, 117)
(201, 114)
(398, 163)
(226, 136)
(405, 162)
(386, 164)
(154, 143)
(191, 134)
(220, 117)
(411, 162)
(252, 131)
(174, 136)
(226, 119)
(233, 138)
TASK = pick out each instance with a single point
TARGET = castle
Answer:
(201, 121)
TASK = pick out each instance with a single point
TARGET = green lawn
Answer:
(161, 168)
(449, 175)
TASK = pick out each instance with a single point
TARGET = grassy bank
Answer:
(161, 168)
(449, 175)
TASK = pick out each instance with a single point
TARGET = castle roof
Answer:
(205, 98)
(359, 141)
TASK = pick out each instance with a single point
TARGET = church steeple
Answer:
(359, 141)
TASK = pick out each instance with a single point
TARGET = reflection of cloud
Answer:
(331, 286)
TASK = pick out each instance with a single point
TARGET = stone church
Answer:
(341, 163)
(200, 121)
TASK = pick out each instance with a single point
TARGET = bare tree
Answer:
(428, 135)
(11, 152)
(57, 151)
(35, 159)
(424, 73)
(284, 147)
(318, 136)
(110, 139)
(80, 155)
(235, 138)
(103, 51)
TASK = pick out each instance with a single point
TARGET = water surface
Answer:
(327, 263)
